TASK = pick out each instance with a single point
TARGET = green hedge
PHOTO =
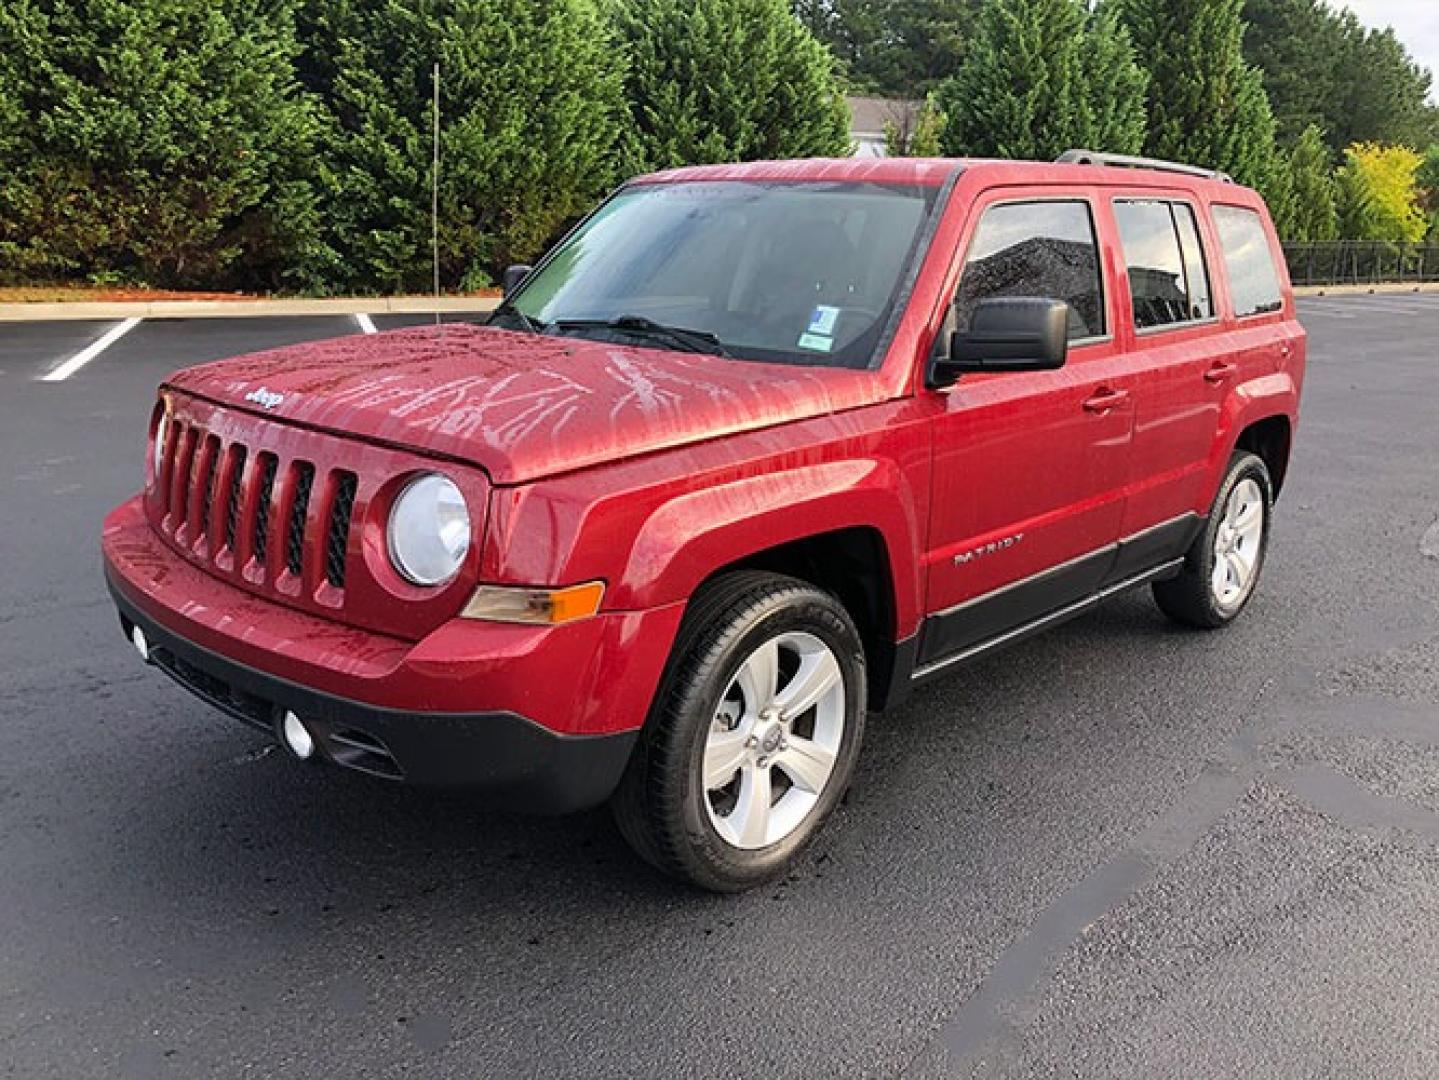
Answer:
(280, 145)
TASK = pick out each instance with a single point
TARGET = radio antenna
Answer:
(435, 192)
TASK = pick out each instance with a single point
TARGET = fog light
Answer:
(297, 737)
(142, 645)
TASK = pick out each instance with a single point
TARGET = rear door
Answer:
(1183, 356)
(1029, 468)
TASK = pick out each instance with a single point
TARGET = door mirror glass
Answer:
(514, 276)
(1013, 333)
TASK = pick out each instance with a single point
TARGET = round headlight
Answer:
(429, 530)
(162, 429)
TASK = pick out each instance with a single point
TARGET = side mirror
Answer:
(514, 275)
(1012, 333)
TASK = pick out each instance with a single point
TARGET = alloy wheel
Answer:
(774, 740)
(1238, 542)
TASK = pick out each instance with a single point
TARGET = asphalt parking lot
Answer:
(1116, 850)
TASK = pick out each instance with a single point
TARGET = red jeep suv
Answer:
(752, 452)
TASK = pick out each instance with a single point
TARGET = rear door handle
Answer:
(1219, 372)
(1105, 399)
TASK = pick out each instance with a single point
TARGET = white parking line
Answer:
(365, 322)
(85, 355)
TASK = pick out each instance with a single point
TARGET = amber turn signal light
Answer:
(546, 607)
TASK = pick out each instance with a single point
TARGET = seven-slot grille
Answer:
(238, 509)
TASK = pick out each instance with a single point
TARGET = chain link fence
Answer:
(1362, 262)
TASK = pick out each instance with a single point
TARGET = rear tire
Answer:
(1222, 567)
(753, 735)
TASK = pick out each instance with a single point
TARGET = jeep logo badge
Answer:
(268, 398)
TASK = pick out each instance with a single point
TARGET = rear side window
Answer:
(1168, 279)
(1042, 249)
(1253, 279)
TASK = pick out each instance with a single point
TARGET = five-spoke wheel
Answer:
(1237, 543)
(754, 734)
(775, 737)
(1223, 565)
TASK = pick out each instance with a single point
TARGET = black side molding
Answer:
(1020, 610)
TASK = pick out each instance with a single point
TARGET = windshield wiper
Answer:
(679, 337)
(533, 326)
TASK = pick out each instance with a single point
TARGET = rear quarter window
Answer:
(1253, 278)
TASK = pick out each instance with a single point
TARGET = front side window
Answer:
(1168, 281)
(1039, 249)
(794, 272)
(1253, 278)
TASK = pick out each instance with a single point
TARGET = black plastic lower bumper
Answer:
(509, 760)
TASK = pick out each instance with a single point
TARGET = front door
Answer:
(1029, 468)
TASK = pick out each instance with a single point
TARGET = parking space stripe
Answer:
(365, 322)
(94, 349)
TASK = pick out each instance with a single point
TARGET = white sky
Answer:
(1415, 21)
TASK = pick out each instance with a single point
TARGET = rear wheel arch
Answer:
(1271, 440)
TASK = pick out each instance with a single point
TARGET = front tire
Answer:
(1222, 568)
(753, 736)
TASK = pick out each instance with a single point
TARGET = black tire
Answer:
(1189, 598)
(661, 805)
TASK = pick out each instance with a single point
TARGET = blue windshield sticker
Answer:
(823, 320)
(816, 342)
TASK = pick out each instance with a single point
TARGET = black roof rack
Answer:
(1126, 161)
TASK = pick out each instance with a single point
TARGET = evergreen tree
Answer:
(1314, 216)
(1295, 44)
(728, 80)
(1041, 77)
(894, 48)
(1354, 204)
(161, 141)
(1207, 105)
(1381, 94)
(1322, 66)
(1428, 179)
(1113, 117)
(531, 113)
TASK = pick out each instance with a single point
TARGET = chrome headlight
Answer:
(162, 430)
(429, 530)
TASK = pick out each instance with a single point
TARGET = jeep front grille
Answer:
(288, 513)
(235, 508)
(338, 537)
(269, 465)
(295, 531)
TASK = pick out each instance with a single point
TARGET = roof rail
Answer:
(1126, 161)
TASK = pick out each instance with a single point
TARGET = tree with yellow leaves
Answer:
(1379, 194)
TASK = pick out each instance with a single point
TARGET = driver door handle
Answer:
(1219, 371)
(1104, 399)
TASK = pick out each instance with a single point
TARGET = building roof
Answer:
(869, 115)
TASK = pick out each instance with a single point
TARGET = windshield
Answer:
(802, 273)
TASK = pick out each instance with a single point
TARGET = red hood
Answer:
(520, 406)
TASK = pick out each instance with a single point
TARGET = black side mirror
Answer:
(1011, 333)
(514, 275)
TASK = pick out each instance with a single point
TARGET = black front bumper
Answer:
(509, 760)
